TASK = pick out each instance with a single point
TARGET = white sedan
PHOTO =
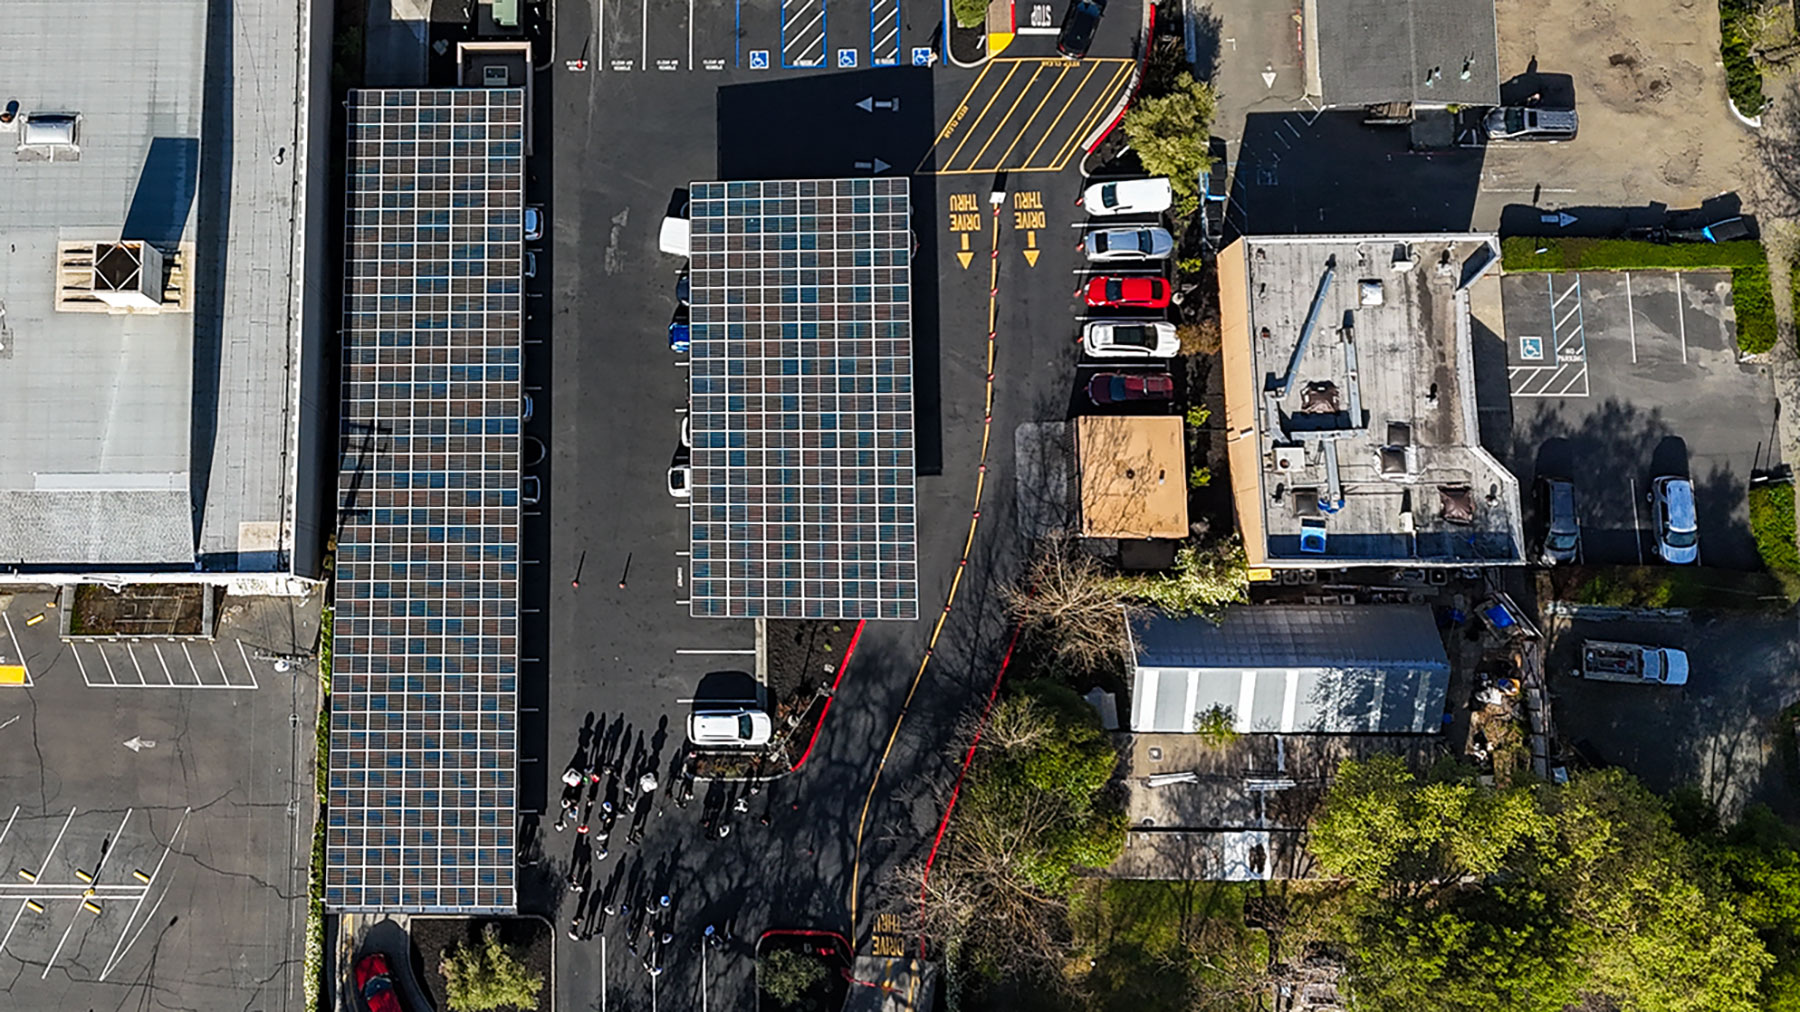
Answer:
(1130, 339)
(741, 727)
(1128, 196)
(1140, 243)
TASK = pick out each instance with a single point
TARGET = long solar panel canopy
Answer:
(801, 400)
(422, 786)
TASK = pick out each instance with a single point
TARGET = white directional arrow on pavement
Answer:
(137, 744)
(1268, 77)
(877, 166)
(1561, 219)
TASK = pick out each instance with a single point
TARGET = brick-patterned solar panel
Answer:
(802, 400)
(421, 792)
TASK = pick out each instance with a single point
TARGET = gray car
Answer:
(1135, 242)
(1562, 530)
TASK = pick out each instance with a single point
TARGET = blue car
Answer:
(678, 337)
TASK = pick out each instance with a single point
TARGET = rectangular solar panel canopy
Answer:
(421, 797)
(801, 400)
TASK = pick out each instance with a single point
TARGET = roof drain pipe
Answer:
(1306, 329)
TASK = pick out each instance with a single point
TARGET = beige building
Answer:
(1133, 476)
(1350, 403)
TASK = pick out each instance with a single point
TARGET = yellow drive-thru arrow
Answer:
(1031, 250)
(964, 254)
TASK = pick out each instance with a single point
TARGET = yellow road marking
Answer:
(1060, 113)
(1091, 119)
(976, 160)
(987, 429)
(1061, 73)
(983, 113)
(962, 106)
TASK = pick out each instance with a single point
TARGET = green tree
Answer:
(1170, 132)
(969, 13)
(486, 974)
(1206, 577)
(786, 975)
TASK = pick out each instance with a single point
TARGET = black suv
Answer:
(1078, 27)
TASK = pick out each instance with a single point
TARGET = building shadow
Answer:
(212, 237)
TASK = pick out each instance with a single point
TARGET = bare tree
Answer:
(1067, 598)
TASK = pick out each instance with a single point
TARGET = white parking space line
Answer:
(14, 637)
(9, 825)
(170, 675)
(736, 653)
(85, 678)
(1630, 317)
(1681, 316)
(112, 961)
(884, 33)
(134, 663)
(191, 666)
(800, 45)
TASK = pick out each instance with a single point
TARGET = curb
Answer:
(843, 665)
(1753, 122)
(949, 54)
(1137, 78)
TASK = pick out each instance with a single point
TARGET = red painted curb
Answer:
(1149, 40)
(843, 665)
(944, 824)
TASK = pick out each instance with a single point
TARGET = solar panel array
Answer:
(801, 400)
(421, 793)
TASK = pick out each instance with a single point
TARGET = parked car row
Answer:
(1128, 296)
(1674, 520)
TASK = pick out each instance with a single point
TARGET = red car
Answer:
(376, 984)
(1114, 387)
(1128, 292)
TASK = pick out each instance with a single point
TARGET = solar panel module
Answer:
(801, 400)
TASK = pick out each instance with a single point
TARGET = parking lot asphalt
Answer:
(1618, 378)
(186, 796)
(1718, 733)
(610, 395)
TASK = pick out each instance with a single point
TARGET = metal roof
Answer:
(801, 400)
(1345, 669)
(425, 659)
(187, 140)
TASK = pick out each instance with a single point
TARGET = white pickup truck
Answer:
(1607, 661)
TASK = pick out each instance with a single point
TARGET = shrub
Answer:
(1743, 79)
(1216, 726)
(969, 13)
(1754, 304)
(1205, 579)
(786, 975)
(486, 974)
(1199, 477)
(1199, 338)
(1198, 415)
(1772, 524)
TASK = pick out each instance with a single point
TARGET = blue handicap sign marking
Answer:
(846, 57)
(759, 59)
(921, 56)
(1531, 347)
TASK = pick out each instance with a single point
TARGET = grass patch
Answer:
(1520, 253)
(315, 885)
(1658, 586)
(1751, 296)
(1772, 523)
(1743, 78)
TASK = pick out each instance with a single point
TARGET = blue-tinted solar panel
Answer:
(801, 400)
(421, 800)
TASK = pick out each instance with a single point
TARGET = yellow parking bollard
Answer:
(140, 876)
(35, 906)
(28, 875)
(91, 907)
(83, 875)
(35, 619)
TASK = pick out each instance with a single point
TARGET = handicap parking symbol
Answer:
(759, 59)
(846, 58)
(1531, 347)
(921, 56)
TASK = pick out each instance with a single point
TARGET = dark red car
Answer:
(376, 983)
(1139, 292)
(1115, 387)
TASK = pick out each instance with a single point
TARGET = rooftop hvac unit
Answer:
(1290, 458)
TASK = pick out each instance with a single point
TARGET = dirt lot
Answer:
(1646, 81)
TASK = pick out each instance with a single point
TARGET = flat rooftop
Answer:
(1430, 52)
(111, 458)
(1359, 445)
(1133, 476)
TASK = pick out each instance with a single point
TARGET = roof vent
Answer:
(128, 275)
(50, 137)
